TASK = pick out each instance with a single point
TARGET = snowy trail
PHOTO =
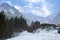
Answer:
(43, 35)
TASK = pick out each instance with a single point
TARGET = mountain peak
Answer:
(9, 10)
(5, 4)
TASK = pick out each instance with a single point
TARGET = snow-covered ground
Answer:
(41, 35)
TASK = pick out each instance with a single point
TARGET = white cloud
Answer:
(9, 3)
(30, 5)
(33, 1)
(38, 7)
(46, 7)
(18, 8)
(37, 12)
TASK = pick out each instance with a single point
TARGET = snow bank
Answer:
(42, 35)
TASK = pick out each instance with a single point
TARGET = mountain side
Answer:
(10, 11)
(30, 17)
(55, 18)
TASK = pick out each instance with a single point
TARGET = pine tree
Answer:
(5, 27)
(23, 23)
(17, 24)
(9, 27)
(36, 25)
(2, 25)
(59, 30)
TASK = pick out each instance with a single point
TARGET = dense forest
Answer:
(9, 26)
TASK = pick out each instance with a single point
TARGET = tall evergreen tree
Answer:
(59, 30)
(5, 27)
(2, 25)
(35, 25)
(17, 24)
(10, 27)
(23, 23)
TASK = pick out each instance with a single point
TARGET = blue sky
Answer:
(37, 7)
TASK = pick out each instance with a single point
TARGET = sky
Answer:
(42, 8)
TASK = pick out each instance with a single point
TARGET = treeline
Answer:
(9, 26)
